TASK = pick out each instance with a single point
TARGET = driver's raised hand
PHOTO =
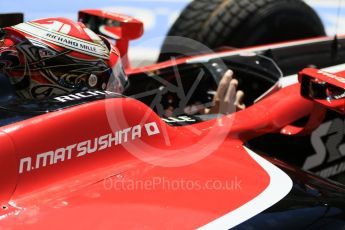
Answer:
(227, 99)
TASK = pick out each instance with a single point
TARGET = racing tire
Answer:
(242, 23)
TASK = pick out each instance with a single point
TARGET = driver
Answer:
(56, 56)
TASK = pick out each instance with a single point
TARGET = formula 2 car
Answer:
(99, 160)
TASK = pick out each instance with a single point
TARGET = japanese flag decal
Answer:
(280, 185)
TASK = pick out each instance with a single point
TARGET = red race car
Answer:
(97, 159)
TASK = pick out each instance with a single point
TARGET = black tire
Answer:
(241, 23)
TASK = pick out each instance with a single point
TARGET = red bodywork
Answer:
(335, 83)
(76, 190)
(128, 29)
(88, 191)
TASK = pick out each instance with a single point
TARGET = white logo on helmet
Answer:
(60, 38)
(93, 80)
